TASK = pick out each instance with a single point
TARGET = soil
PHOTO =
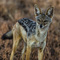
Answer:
(25, 8)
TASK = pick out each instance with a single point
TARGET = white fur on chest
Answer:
(41, 37)
(36, 41)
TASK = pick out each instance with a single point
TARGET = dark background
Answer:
(13, 10)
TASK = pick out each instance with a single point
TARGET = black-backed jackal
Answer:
(33, 33)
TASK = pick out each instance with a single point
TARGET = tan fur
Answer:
(16, 39)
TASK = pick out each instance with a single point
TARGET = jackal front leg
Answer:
(40, 54)
(40, 51)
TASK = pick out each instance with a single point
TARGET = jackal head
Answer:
(43, 20)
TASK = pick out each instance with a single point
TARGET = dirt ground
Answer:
(11, 11)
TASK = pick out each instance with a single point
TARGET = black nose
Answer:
(40, 25)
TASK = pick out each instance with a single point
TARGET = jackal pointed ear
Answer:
(37, 10)
(50, 12)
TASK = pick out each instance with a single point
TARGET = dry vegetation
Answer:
(12, 10)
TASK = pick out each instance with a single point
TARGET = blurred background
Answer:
(13, 10)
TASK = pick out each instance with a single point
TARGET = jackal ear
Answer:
(37, 11)
(50, 12)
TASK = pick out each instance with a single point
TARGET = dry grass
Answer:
(12, 10)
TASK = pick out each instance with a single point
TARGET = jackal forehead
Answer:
(43, 15)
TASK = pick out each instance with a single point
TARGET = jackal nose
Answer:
(40, 25)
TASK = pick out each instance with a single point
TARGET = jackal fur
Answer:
(33, 33)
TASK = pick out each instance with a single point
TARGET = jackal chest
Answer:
(35, 41)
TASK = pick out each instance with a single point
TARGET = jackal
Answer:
(33, 33)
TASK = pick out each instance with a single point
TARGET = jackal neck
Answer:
(41, 32)
(37, 30)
